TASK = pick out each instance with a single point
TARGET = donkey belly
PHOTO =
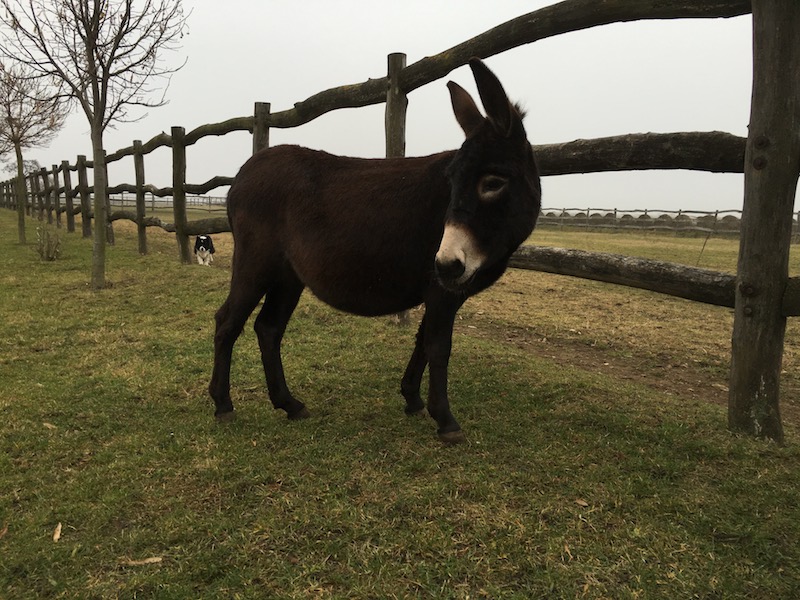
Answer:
(372, 305)
(357, 288)
(361, 280)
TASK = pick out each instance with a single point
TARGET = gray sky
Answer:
(659, 76)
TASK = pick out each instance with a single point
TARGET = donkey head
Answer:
(495, 194)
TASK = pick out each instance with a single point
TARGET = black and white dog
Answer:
(204, 250)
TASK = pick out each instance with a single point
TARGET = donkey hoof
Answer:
(451, 438)
(303, 413)
(226, 417)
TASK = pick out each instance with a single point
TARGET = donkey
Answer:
(378, 236)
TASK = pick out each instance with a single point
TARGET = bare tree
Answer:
(108, 55)
(31, 114)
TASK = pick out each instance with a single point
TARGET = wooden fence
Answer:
(762, 293)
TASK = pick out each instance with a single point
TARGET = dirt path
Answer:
(681, 380)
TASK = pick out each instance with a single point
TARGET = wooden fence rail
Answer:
(762, 292)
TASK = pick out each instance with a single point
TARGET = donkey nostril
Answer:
(449, 270)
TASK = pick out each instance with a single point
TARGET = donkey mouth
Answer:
(455, 287)
(453, 275)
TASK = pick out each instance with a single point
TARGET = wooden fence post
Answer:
(56, 196)
(261, 114)
(46, 195)
(395, 124)
(772, 162)
(30, 207)
(396, 108)
(109, 224)
(36, 196)
(179, 192)
(83, 189)
(138, 168)
(68, 196)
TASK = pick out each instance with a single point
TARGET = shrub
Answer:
(48, 243)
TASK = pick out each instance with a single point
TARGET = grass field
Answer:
(597, 465)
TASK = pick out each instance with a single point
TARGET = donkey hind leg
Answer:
(230, 320)
(412, 379)
(438, 339)
(270, 325)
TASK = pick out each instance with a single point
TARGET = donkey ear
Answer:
(495, 101)
(465, 109)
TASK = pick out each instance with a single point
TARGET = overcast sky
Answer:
(659, 76)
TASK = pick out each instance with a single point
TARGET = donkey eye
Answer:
(491, 186)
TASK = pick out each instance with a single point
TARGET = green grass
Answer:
(574, 483)
(716, 253)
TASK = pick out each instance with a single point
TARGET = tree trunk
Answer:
(98, 280)
(19, 187)
(772, 161)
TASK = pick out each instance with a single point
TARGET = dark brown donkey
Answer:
(375, 237)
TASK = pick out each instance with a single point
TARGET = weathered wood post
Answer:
(109, 224)
(395, 123)
(261, 113)
(179, 192)
(56, 196)
(46, 195)
(83, 189)
(772, 161)
(30, 207)
(138, 168)
(36, 195)
(22, 184)
(68, 196)
(396, 108)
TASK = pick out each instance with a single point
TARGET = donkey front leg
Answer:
(438, 343)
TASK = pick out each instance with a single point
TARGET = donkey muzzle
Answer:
(458, 258)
